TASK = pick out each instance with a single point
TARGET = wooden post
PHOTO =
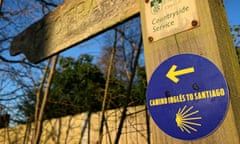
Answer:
(211, 40)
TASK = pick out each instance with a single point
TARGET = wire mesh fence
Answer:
(83, 129)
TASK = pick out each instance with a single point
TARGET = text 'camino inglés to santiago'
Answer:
(196, 96)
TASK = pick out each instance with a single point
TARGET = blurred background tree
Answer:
(235, 29)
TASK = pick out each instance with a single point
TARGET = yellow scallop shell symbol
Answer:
(185, 119)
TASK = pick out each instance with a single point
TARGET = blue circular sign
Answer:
(187, 96)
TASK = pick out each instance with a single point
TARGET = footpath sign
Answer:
(69, 24)
(187, 96)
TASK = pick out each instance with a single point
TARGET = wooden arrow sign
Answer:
(69, 24)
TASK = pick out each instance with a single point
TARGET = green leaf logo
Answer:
(155, 6)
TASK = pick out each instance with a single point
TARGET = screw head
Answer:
(167, 94)
(150, 39)
(194, 23)
(195, 86)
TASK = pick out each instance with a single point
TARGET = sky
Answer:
(92, 47)
(232, 9)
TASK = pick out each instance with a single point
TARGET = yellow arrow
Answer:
(173, 73)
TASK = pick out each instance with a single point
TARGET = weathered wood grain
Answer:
(212, 40)
(69, 24)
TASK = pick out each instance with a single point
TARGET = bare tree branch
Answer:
(44, 2)
(44, 101)
(129, 90)
(23, 61)
(1, 2)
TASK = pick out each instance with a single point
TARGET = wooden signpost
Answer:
(71, 23)
(210, 39)
(169, 28)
